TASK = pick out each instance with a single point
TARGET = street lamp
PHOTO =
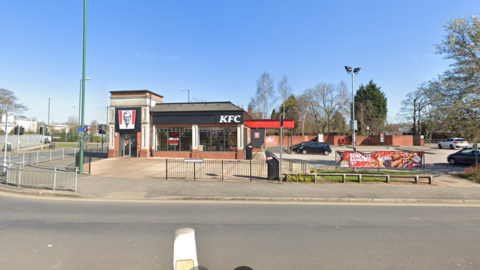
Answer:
(353, 122)
(188, 93)
(48, 121)
(80, 100)
(82, 114)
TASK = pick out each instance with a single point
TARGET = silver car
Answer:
(453, 143)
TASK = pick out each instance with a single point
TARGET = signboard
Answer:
(194, 160)
(174, 138)
(256, 135)
(380, 159)
(126, 119)
(382, 138)
(230, 119)
(81, 129)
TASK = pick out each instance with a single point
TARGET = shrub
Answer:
(472, 173)
(300, 178)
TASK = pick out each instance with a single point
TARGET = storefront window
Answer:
(218, 139)
(174, 139)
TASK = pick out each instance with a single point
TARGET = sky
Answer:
(216, 49)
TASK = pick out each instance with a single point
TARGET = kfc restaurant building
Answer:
(143, 126)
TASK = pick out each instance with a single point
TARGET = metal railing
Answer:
(35, 157)
(214, 169)
(22, 177)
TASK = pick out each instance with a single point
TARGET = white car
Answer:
(453, 143)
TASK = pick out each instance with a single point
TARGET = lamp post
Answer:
(353, 122)
(48, 121)
(188, 93)
(80, 156)
(80, 99)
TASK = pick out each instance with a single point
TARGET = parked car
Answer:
(453, 143)
(316, 148)
(297, 146)
(465, 156)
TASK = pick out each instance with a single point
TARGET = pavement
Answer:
(448, 188)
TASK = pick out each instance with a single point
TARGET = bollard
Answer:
(388, 178)
(344, 178)
(430, 179)
(222, 170)
(359, 178)
(63, 153)
(54, 178)
(315, 179)
(76, 177)
(19, 176)
(50, 154)
(37, 157)
(185, 250)
(416, 179)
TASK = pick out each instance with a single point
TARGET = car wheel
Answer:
(451, 146)
(304, 151)
(440, 146)
(452, 161)
(326, 153)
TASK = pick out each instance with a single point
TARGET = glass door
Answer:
(128, 145)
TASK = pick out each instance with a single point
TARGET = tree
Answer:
(265, 98)
(413, 107)
(285, 91)
(373, 102)
(338, 123)
(325, 100)
(302, 109)
(460, 86)
(9, 103)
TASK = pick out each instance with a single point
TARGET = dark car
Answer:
(316, 148)
(465, 156)
(297, 146)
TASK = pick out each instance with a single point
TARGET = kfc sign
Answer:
(126, 119)
(227, 119)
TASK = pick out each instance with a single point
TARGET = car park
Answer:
(465, 156)
(453, 143)
(316, 148)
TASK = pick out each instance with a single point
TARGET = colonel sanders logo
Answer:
(126, 119)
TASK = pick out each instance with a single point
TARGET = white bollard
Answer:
(184, 250)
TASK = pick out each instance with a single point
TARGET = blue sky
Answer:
(217, 49)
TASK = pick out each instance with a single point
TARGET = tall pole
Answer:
(80, 103)
(82, 120)
(6, 140)
(354, 140)
(189, 96)
(48, 121)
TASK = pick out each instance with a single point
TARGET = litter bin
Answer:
(248, 151)
(9, 147)
(273, 166)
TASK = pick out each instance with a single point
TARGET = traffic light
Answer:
(16, 130)
(100, 129)
(41, 130)
(22, 130)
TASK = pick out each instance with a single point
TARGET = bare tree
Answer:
(285, 91)
(265, 98)
(8, 102)
(325, 101)
(302, 109)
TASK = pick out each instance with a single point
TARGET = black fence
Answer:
(215, 169)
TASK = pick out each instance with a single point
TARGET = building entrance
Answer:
(128, 145)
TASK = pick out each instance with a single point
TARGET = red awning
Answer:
(269, 123)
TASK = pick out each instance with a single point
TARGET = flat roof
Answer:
(134, 91)
(197, 107)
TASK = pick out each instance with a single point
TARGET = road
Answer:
(54, 234)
